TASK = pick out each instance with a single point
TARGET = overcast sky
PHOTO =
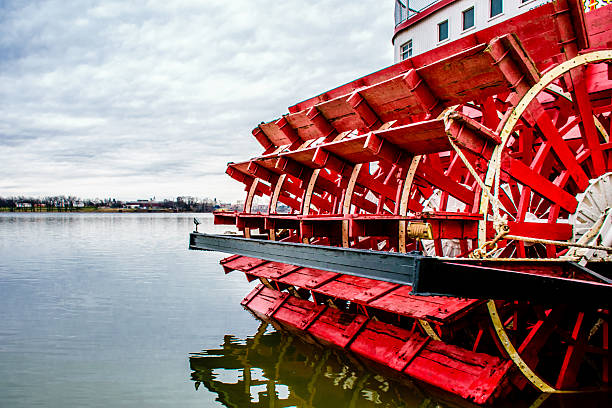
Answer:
(135, 99)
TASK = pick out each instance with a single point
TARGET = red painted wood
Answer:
(392, 99)
(387, 227)
(566, 156)
(471, 135)
(536, 30)
(302, 156)
(478, 79)
(349, 112)
(418, 138)
(470, 375)
(300, 164)
(518, 171)
(268, 161)
(384, 343)
(309, 124)
(423, 93)
(411, 348)
(385, 188)
(473, 376)
(573, 356)
(273, 270)
(374, 292)
(444, 225)
(308, 278)
(281, 221)
(243, 263)
(598, 26)
(454, 229)
(291, 311)
(263, 140)
(341, 115)
(347, 287)
(433, 308)
(277, 304)
(555, 231)
(432, 175)
(319, 122)
(312, 316)
(247, 299)
(229, 258)
(353, 330)
(335, 327)
(260, 299)
(279, 132)
(224, 218)
(248, 220)
(262, 173)
(239, 174)
(331, 229)
(599, 83)
(588, 130)
(361, 107)
(530, 347)
(354, 150)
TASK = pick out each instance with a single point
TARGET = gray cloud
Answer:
(154, 97)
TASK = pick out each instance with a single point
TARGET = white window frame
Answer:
(407, 46)
(491, 9)
(447, 30)
(473, 19)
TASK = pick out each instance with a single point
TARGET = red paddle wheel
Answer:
(492, 151)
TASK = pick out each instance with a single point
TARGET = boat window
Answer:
(443, 30)
(468, 18)
(497, 7)
(406, 50)
(401, 11)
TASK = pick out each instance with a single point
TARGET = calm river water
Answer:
(113, 310)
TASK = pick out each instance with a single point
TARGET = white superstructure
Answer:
(421, 25)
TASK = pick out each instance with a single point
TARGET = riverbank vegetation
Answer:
(76, 204)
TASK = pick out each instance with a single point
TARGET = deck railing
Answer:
(405, 9)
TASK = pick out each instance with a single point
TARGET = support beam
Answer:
(390, 267)
(426, 275)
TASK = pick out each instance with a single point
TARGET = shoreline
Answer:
(94, 210)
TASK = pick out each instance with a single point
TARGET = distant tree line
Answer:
(65, 203)
(72, 203)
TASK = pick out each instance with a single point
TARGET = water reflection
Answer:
(276, 369)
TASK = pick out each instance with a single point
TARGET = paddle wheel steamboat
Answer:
(448, 217)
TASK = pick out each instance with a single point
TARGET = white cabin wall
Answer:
(424, 34)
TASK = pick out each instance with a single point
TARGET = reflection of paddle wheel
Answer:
(276, 369)
(492, 149)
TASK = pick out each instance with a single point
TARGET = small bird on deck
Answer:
(196, 222)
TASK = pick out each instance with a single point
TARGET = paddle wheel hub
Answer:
(592, 220)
